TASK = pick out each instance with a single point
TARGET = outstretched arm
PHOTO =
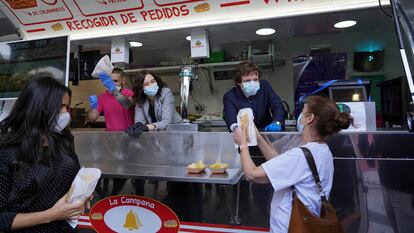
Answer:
(107, 81)
(251, 171)
(266, 147)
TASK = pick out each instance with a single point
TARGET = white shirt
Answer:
(291, 168)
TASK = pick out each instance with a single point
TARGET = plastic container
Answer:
(217, 56)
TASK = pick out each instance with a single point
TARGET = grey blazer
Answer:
(164, 109)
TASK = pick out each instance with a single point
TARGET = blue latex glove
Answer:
(107, 81)
(93, 101)
(273, 127)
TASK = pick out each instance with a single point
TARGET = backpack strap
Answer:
(311, 163)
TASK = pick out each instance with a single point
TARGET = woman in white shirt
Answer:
(320, 118)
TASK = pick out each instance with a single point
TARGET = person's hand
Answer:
(136, 130)
(256, 130)
(107, 81)
(93, 101)
(273, 127)
(239, 136)
(62, 210)
(88, 202)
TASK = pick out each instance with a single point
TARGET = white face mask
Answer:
(119, 88)
(62, 121)
(299, 125)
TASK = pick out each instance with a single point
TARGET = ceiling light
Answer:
(188, 38)
(135, 44)
(265, 31)
(345, 24)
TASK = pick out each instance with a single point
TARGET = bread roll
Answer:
(244, 125)
(170, 223)
(202, 7)
(57, 27)
(96, 216)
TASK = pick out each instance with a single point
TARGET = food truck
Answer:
(304, 46)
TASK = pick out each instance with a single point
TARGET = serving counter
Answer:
(373, 185)
(160, 156)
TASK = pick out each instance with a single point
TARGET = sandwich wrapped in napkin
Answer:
(245, 121)
(103, 65)
(82, 187)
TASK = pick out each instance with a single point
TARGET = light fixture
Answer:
(188, 38)
(135, 44)
(345, 24)
(265, 31)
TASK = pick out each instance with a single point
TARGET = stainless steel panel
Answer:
(373, 189)
(182, 127)
(158, 155)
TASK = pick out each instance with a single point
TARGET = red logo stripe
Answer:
(36, 30)
(235, 3)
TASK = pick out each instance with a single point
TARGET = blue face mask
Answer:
(299, 125)
(151, 90)
(251, 88)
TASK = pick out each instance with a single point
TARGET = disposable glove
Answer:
(273, 127)
(93, 101)
(107, 81)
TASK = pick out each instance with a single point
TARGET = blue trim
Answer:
(325, 85)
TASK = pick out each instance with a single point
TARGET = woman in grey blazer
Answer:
(155, 106)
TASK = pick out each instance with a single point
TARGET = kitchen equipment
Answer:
(78, 116)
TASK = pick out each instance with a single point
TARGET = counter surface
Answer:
(165, 155)
(159, 156)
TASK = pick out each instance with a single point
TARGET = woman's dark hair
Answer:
(32, 120)
(139, 96)
(328, 118)
(244, 68)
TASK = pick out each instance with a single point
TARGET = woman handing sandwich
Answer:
(320, 119)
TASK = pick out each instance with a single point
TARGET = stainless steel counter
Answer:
(158, 155)
(165, 155)
(373, 176)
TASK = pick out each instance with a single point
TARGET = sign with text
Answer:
(33, 12)
(107, 18)
(132, 214)
(174, 2)
(100, 7)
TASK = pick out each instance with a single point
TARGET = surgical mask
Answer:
(62, 121)
(118, 88)
(151, 90)
(251, 88)
(299, 125)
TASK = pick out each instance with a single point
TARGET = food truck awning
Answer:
(41, 18)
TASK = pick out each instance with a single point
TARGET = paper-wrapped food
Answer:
(245, 121)
(82, 187)
(198, 167)
(103, 65)
(218, 167)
